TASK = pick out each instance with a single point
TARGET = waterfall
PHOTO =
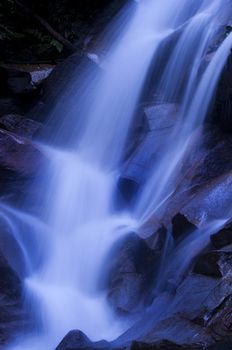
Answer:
(65, 247)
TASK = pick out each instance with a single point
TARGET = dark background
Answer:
(24, 39)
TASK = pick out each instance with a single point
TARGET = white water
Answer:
(65, 250)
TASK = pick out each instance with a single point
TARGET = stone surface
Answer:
(222, 238)
(19, 125)
(76, 340)
(132, 272)
(19, 155)
(214, 264)
(11, 312)
(181, 227)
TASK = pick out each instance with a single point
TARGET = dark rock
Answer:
(14, 82)
(11, 311)
(191, 295)
(19, 125)
(225, 344)
(222, 238)
(210, 201)
(164, 345)
(19, 82)
(9, 105)
(19, 155)
(220, 322)
(222, 110)
(132, 274)
(177, 330)
(9, 284)
(76, 340)
(214, 264)
(181, 226)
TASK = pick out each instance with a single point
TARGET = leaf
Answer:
(57, 45)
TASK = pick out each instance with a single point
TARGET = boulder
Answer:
(159, 120)
(222, 109)
(19, 125)
(17, 93)
(76, 340)
(11, 311)
(224, 344)
(164, 345)
(19, 155)
(222, 238)
(214, 264)
(131, 274)
(181, 226)
(219, 323)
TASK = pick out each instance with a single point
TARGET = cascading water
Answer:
(66, 249)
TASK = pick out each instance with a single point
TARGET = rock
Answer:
(177, 330)
(38, 76)
(160, 119)
(217, 296)
(181, 226)
(225, 344)
(220, 322)
(14, 82)
(9, 105)
(131, 274)
(210, 201)
(161, 116)
(164, 345)
(19, 125)
(214, 264)
(222, 238)
(11, 310)
(56, 88)
(221, 113)
(9, 284)
(76, 340)
(19, 155)
(191, 294)
(19, 82)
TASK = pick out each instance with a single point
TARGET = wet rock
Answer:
(160, 119)
(19, 155)
(38, 76)
(76, 340)
(225, 344)
(9, 284)
(214, 264)
(131, 274)
(177, 330)
(222, 110)
(19, 125)
(60, 82)
(217, 296)
(222, 238)
(11, 312)
(161, 116)
(210, 201)
(181, 226)
(191, 294)
(220, 322)
(164, 345)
